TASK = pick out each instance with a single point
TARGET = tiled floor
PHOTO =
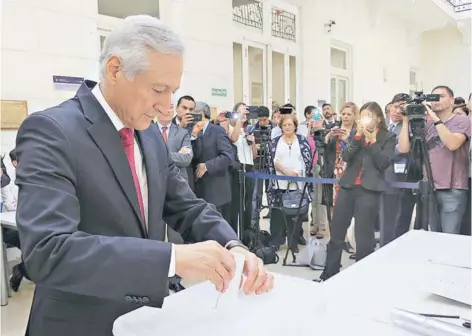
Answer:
(14, 316)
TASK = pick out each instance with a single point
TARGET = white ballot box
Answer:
(294, 307)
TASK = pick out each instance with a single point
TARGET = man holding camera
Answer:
(447, 137)
(398, 204)
(212, 156)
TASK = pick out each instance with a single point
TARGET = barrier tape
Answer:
(321, 180)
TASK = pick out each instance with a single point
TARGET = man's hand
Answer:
(433, 116)
(197, 128)
(184, 150)
(201, 170)
(251, 138)
(257, 279)
(186, 120)
(205, 261)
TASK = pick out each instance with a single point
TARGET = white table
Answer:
(394, 276)
(7, 220)
(357, 301)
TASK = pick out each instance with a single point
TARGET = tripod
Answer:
(427, 199)
(264, 157)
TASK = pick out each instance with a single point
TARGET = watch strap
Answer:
(235, 243)
(436, 123)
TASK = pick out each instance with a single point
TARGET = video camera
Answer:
(416, 111)
(415, 108)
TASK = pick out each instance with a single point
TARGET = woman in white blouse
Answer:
(291, 155)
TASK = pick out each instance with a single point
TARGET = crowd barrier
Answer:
(321, 180)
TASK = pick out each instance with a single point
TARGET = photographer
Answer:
(446, 136)
(263, 128)
(366, 156)
(246, 149)
(398, 204)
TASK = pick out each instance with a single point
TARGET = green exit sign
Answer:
(219, 92)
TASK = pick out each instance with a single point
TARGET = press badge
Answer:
(399, 168)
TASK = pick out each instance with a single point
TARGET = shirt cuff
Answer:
(192, 138)
(172, 263)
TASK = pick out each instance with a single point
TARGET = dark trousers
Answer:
(395, 215)
(362, 204)
(248, 190)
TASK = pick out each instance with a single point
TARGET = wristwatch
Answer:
(235, 243)
(436, 123)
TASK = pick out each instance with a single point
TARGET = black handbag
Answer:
(294, 202)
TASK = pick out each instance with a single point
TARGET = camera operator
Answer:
(398, 204)
(246, 148)
(263, 127)
(446, 136)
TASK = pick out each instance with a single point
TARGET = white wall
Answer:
(41, 39)
(380, 60)
(446, 60)
(278, 79)
(205, 27)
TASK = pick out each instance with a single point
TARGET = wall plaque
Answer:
(13, 112)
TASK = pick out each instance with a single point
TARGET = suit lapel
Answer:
(107, 138)
(148, 140)
(172, 131)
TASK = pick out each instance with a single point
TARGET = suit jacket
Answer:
(79, 220)
(213, 148)
(176, 139)
(372, 159)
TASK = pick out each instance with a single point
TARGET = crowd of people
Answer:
(174, 172)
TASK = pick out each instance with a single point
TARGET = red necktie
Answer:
(164, 133)
(127, 138)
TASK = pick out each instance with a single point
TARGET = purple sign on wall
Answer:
(67, 80)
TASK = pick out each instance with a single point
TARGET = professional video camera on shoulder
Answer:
(416, 111)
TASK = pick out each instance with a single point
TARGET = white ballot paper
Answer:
(231, 295)
(272, 314)
(450, 282)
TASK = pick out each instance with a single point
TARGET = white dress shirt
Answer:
(139, 165)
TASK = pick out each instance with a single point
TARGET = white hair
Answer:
(131, 40)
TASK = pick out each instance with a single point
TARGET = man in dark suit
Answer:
(96, 187)
(212, 156)
(184, 120)
(397, 204)
(180, 149)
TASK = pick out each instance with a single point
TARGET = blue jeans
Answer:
(451, 209)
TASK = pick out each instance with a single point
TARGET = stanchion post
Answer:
(241, 201)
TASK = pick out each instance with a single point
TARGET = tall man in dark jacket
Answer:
(212, 156)
(397, 204)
